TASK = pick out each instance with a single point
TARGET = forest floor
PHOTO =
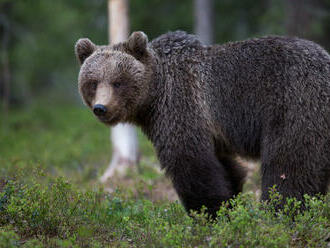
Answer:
(51, 159)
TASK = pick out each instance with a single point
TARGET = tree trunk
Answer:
(123, 136)
(5, 77)
(204, 20)
(5, 66)
(118, 20)
(298, 17)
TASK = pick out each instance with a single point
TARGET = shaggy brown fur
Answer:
(266, 98)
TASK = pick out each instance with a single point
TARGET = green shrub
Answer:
(8, 239)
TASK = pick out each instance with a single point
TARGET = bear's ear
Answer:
(83, 49)
(137, 44)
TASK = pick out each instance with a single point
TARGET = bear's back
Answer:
(176, 42)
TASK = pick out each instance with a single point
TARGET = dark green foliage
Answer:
(42, 34)
(143, 19)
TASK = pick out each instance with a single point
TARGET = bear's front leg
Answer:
(199, 179)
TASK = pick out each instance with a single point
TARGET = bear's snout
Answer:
(99, 110)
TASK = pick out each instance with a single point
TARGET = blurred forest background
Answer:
(37, 36)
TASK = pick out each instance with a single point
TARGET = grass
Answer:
(50, 196)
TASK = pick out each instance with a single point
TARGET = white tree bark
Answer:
(123, 136)
(204, 20)
(118, 20)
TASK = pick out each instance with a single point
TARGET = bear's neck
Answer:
(174, 97)
(148, 112)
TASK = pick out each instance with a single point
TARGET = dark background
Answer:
(37, 36)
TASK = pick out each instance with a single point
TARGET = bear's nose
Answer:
(99, 109)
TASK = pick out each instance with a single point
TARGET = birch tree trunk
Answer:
(204, 20)
(298, 17)
(123, 136)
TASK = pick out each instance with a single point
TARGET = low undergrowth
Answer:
(50, 196)
(60, 215)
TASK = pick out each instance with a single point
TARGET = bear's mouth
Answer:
(113, 120)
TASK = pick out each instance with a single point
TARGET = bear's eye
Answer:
(93, 85)
(116, 84)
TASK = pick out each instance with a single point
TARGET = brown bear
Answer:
(201, 106)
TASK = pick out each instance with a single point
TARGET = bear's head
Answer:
(114, 80)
